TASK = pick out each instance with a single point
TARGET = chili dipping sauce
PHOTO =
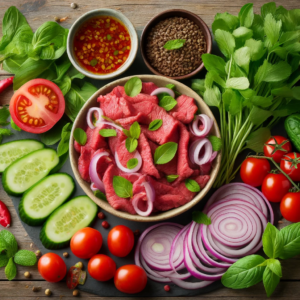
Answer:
(102, 45)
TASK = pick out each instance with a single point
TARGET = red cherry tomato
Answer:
(290, 164)
(281, 147)
(130, 279)
(52, 267)
(290, 207)
(120, 241)
(254, 170)
(37, 105)
(275, 186)
(101, 267)
(86, 242)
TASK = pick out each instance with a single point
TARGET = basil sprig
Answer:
(165, 153)
(132, 134)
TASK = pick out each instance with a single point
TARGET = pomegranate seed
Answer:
(137, 233)
(105, 224)
(167, 288)
(101, 215)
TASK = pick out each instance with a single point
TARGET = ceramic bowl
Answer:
(80, 121)
(169, 14)
(103, 12)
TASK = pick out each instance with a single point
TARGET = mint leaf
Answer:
(3, 260)
(107, 132)
(201, 218)
(216, 142)
(246, 15)
(11, 245)
(4, 114)
(132, 163)
(80, 136)
(122, 187)
(272, 241)
(214, 63)
(135, 130)
(192, 185)
(171, 178)
(131, 144)
(244, 273)
(100, 195)
(167, 102)
(291, 241)
(238, 83)
(257, 49)
(133, 86)
(257, 139)
(270, 281)
(11, 270)
(225, 42)
(272, 30)
(155, 125)
(174, 44)
(25, 258)
(165, 153)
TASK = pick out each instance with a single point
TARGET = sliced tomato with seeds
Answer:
(37, 106)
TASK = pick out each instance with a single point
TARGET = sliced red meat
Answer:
(84, 162)
(77, 147)
(113, 199)
(148, 87)
(96, 140)
(202, 180)
(104, 162)
(119, 91)
(130, 120)
(185, 109)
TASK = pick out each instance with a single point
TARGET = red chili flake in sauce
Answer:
(102, 45)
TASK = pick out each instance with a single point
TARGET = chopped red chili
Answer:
(5, 218)
(6, 83)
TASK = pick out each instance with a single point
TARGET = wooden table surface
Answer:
(139, 12)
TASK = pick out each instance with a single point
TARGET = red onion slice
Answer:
(89, 116)
(163, 90)
(112, 124)
(93, 187)
(93, 171)
(150, 192)
(206, 122)
(126, 170)
(198, 146)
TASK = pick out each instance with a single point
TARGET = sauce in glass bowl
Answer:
(102, 45)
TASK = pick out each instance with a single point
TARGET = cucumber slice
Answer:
(28, 170)
(65, 221)
(11, 151)
(44, 197)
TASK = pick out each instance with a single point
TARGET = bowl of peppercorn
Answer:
(173, 42)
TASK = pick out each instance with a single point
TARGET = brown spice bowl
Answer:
(175, 13)
(80, 121)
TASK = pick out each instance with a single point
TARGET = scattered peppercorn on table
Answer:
(29, 284)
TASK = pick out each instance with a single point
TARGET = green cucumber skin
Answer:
(36, 222)
(47, 243)
(292, 127)
(25, 140)
(4, 174)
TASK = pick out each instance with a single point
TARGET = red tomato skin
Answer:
(52, 267)
(275, 186)
(120, 241)
(26, 86)
(86, 242)
(286, 166)
(101, 267)
(254, 170)
(290, 207)
(130, 279)
(277, 156)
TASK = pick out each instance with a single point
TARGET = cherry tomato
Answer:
(120, 241)
(130, 279)
(37, 106)
(101, 267)
(281, 147)
(290, 164)
(290, 207)
(86, 242)
(254, 170)
(275, 186)
(52, 267)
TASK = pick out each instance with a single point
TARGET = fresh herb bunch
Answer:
(253, 269)
(253, 84)
(10, 255)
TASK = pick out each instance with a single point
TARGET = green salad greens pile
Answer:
(253, 84)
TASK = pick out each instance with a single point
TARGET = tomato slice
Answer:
(37, 106)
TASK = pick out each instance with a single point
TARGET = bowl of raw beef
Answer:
(157, 191)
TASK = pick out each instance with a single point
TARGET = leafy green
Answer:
(257, 139)
(216, 142)
(132, 163)
(272, 241)
(225, 42)
(171, 178)
(165, 153)
(63, 146)
(174, 44)
(246, 15)
(14, 126)
(108, 132)
(167, 102)
(4, 114)
(122, 187)
(131, 144)
(133, 86)
(25, 258)
(135, 130)
(155, 124)
(80, 136)
(192, 185)
(270, 280)
(100, 195)
(201, 218)
(53, 135)
(291, 241)
(11, 269)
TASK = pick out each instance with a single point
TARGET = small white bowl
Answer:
(103, 12)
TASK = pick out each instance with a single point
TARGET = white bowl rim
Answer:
(133, 35)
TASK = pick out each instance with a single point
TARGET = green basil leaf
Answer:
(272, 241)
(216, 142)
(225, 42)
(4, 114)
(272, 30)
(174, 44)
(155, 125)
(13, 64)
(246, 15)
(64, 84)
(3, 260)
(11, 269)
(14, 126)
(238, 83)
(80, 136)
(192, 185)
(165, 153)
(244, 273)
(11, 245)
(126, 132)
(270, 280)
(167, 102)
(25, 258)
(100, 195)
(275, 266)
(108, 132)
(291, 241)
(257, 50)
(170, 86)
(132, 163)
(2, 244)
(62, 68)
(122, 187)
(201, 218)
(171, 178)
(135, 130)
(131, 144)
(63, 146)
(257, 139)
(133, 86)
(214, 63)
(53, 135)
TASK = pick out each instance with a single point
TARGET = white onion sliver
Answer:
(150, 193)
(89, 116)
(207, 123)
(163, 90)
(126, 170)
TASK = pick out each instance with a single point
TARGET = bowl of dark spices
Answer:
(173, 42)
